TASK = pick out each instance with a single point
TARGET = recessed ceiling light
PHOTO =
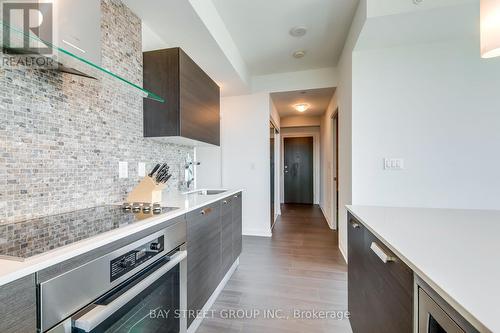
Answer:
(298, 31)
(299, 54)
(301, 107)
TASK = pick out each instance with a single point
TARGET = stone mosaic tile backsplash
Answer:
(62, 136)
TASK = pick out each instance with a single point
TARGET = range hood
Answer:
(63, 59)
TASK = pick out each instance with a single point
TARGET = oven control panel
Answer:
(132, 259)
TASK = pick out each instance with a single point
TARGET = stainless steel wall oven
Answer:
(138, 288)
(434, 315)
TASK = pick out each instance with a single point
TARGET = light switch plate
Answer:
(394, 164)
(141, 169)
(123, 169)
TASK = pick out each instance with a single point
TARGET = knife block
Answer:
(146, 191)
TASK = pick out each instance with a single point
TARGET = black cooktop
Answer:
(32, 237)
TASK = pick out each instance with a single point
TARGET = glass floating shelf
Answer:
(62, 60)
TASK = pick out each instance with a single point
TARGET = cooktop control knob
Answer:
(155, 246)
(124, 263)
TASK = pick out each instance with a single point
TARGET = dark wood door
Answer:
(298, 170)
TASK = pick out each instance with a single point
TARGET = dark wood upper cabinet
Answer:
(192, 99)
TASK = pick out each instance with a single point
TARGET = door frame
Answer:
(277, 177)
(316, 162)
(335, 171)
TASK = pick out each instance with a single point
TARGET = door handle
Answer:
(381, 253)
(91, 319)
(354, 224)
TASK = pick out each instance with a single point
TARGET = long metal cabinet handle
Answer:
(381, 253)
(100, 313)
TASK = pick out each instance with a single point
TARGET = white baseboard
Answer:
(343, 253)
(327, 218)
(257, 232)
(197, 322)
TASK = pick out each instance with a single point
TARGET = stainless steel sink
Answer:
(207, 192)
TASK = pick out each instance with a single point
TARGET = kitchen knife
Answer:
(167, 178)
(162, 174)
(154, 170)
(164, 179)
(160, 171)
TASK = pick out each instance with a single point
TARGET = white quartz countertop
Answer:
(11, 270)
(455, 251)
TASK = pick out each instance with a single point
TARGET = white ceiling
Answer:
(318, 99)
(260, 29)
(439, 21)
(180, 23)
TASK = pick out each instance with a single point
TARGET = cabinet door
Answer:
(380, 294)
(18, 306)
(199, 103)
(204, 255)
(237, 225)
(226, 235)
(356, 273)
(390, 289)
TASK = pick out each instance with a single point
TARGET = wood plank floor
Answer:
(299, 269)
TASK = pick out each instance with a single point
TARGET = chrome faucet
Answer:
(188, 173)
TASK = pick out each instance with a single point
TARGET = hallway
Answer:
(299, 268)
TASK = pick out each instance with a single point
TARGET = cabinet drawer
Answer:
(395, 269)
(380, 285)
(390, 286)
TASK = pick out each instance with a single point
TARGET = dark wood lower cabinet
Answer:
(204, 255)
(237, 225)
(380, 294)
(18, 306)
(214, 239)
(226, 236)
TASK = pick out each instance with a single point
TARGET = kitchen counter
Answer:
(11, 270)
(454, 251)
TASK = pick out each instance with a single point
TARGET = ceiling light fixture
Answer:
(298, 31)
(490, 28)
(301, 107)
(299, 54)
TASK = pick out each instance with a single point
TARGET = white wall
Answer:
(209, 173)
(327, 151)
(345, 97)
(300, 121)
(438, 107)
(245, 157)
(309, 79)
(314, 132)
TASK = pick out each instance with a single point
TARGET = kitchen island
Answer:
(452, 251)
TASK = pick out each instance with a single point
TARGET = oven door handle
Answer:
(90, 320)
